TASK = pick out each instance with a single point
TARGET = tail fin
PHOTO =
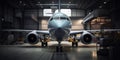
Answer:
(59, 5)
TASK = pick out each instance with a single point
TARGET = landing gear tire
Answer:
(59, 48)
(74, 44)
(44, 44)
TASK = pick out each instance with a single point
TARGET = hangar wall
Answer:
(0, 18)
(77, 23)
(32, 16)
(6, 21)
(28, 19)
(7, 16)
(17, 18)
(20, 18)
(115, 14)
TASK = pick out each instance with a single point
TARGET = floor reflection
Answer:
(83, 54)
(47, 53)
(37, 52)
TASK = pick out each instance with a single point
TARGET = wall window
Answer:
(49, 12)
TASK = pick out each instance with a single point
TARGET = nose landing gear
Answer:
(59, 48)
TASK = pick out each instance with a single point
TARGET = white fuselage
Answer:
(59, 26)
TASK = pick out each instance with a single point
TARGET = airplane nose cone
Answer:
(59, 24)
(59, 33)
(56, 24)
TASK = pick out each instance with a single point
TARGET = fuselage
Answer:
(59, 26)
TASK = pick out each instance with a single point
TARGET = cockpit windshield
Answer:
(62, 18)
(59, 18)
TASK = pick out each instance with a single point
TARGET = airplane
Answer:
(59, 29)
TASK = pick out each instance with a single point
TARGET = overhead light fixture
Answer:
(105, 2)
(53, 7)
(53, 2)
(68, 6)
(69, 2)
(20, 2)
(39, 2)
(41, 6)
(56, 4)
(3, 19)
(100, 6)
(89, 13)
(24, 4)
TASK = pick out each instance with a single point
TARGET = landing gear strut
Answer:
(44, 42)
(59, 48)
(75, 42)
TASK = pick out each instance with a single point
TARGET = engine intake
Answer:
(86, 38)
(32, 38)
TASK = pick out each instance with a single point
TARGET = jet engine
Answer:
(87, 37)
(32, 38)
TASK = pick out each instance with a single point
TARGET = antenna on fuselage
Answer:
(59, 5)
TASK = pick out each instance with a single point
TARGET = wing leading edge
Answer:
(92, 31)
(20, 30)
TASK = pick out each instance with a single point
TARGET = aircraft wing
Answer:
(76, 32)
(104, 30)
(71, 32)
(22, 30)
(42, 32)
(93, 31)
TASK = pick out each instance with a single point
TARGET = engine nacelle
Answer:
(87, 37)
(32, 38)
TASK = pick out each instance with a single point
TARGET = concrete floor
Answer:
(46, 53)
(63, 43)
(28, 52)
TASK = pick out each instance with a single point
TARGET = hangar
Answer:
(59, 30)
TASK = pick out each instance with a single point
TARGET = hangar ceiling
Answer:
(72, 4)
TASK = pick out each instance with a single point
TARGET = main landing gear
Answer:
(74, 41)
(74, 44)
(44, 42)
